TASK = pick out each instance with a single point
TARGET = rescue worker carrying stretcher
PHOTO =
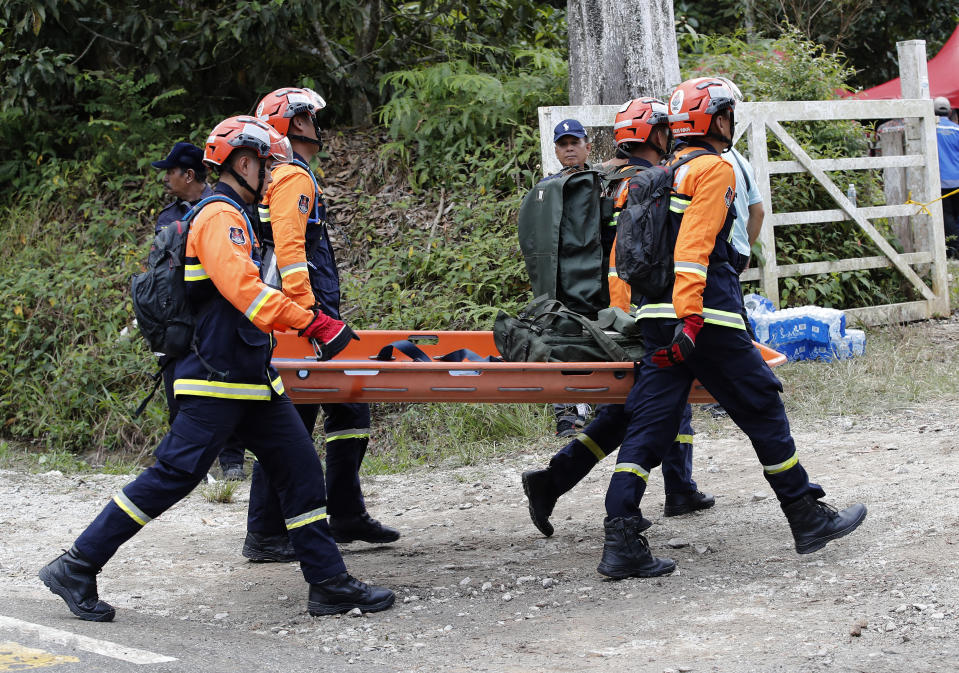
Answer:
(293, 223)
(641, 133)
(696, 330)
(225, 386)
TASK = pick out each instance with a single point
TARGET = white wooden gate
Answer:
(758, 120)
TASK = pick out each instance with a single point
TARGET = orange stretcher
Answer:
(355, 376)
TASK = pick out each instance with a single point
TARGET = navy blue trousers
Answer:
(233, 452)
(604, 435)
(273, 432)
(347, 428)
(733, 371)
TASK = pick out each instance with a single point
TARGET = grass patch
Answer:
(219, 491)
(903, 366)
(452, 435)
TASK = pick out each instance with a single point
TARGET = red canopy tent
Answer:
(943, 77)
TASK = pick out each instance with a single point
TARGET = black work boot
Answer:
(538, 488)
(343, 592)
(686, 502)
(815, 523)
(74, 579)
(626, 551)
(268, 548)
(363, 527)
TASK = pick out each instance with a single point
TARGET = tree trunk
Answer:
(621, 49)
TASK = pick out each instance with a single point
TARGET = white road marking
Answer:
(101, 647)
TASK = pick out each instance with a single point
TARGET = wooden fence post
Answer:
(914, 83)
(923, 181)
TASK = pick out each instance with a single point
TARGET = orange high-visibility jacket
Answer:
(705, 282)
(236, 311)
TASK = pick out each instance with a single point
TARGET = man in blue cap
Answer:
(572, 147)
(185, 180)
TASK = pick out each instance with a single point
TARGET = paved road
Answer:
(40, 636)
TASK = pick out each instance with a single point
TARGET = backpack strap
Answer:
(157, 379)
(695, 154)
(309, 171)
(415, 353)
(613, 350)
(195, 210)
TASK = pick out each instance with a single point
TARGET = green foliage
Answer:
(458, 434)
(866, 31)
(77, 226)
(219, 491)
(794, 68)
(457, 124)
(790, 67)
(457, 279)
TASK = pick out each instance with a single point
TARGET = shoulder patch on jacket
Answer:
(304, 203)
(237, 236)
(728, 198)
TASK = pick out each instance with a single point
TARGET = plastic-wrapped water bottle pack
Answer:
(804, 332)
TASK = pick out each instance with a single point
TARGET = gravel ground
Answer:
(478, 589)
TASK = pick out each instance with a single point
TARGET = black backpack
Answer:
(644, 247)
(159, 298)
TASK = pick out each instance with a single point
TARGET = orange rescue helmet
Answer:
(637, 118)
(695, 102)
(245, 132)
(278, 107)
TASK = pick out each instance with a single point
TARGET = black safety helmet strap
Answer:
(316, 126)
(261, 175)
(728, 141)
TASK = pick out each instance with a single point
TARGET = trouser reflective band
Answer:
(684, 439)
(230, 391)
(303, 519)
(634, 469)
(351, 433)
(591, 444)
(134, 512)
(781, 467)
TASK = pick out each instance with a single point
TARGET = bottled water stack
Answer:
(805, 332)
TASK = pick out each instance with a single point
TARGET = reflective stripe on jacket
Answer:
(706, 282)
(236, 311)
(294, 218)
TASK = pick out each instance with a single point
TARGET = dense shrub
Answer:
(75, 230)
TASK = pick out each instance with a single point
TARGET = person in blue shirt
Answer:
(185, 180)
(947, 137)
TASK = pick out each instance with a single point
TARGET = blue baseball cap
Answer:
(183, 155)
(568, 127)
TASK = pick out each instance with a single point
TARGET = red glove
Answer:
(331, 334)
(683, 343)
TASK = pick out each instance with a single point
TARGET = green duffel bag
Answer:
(561, 232)
(546, 331)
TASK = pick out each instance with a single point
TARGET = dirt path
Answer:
(480, 590)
